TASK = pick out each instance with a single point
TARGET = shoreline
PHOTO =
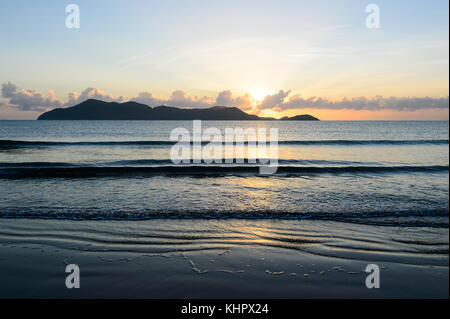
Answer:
(34, 254)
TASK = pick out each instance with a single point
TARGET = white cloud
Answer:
(148, 99)
(182, 99)
(364, 103)
(29, 99)
(274, 100)
(33, 100)
(91, 93)
(226, 98)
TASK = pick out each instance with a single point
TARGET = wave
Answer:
(162, 162)
(14, 144)
(207, 170)
(398, 218)
(367, 142)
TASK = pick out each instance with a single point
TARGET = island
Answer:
(99, 110)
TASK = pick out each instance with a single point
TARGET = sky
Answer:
(271, 58)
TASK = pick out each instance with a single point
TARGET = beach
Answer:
(107, 197)
(228, 259)
(201, 155)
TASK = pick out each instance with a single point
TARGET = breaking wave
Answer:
(14, 144)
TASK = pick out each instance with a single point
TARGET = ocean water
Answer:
(373, 173)
(352, 193)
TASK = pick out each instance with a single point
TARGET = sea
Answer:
(354, 193)
(362, 172)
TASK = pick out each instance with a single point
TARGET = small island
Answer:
(99, 110)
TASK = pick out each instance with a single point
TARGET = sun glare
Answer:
(260, 94)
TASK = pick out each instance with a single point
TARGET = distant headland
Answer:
(99, 110)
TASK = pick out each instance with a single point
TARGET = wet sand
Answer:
(292, 263)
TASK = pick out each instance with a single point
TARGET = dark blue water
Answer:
(390, 173)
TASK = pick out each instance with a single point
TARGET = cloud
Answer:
(3, 102)
(8, 90)
(29, 99)
(32, 100)
(91, 93)
(148, 99)
(178, 98)
(181, 98)
(226, 98)
(364, 103)
(274, 100)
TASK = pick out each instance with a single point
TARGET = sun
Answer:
(260, 94)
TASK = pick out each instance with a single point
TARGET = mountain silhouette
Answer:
(99, 110)
(302, 117)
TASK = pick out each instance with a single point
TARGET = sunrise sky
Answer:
(271, 58)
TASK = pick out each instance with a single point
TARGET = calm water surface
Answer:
(393, 173)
